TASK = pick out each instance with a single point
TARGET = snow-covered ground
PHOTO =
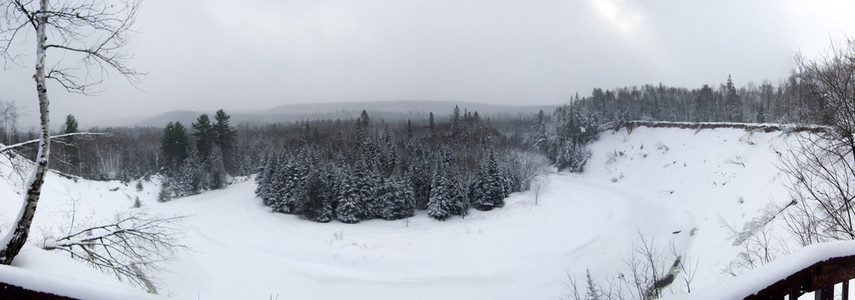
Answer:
(675, 186)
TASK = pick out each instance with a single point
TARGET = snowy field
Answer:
(679, 187)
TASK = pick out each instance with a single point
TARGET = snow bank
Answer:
(65, 278)
(755, 280)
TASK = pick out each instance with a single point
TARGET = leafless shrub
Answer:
(650, 271)
(821, 165)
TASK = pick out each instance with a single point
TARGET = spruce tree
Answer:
(267, 181)
(732, 103)
(363, 188)
(314, 202)
(70, 150)
(189, 177)
(396, 198)
(347, 203)
(439, 205)
(290, 189)
(489, 190)
(443, 194)
(215, 175)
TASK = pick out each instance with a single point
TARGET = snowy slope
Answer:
(673, 185)
(721, 178)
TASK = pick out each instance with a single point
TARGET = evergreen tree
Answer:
(205, 136)
(291, 188)
(396, 198)
(70, 149)
(732, 102)
(456, 127)
(215, 175)
(363, 188)
(225, 139)
(314, 202)
(420, 180)
(444, 196)
(489, 190)
(540, 137)
(705, 104)
(174, 146)
(347, 202)
(267, 181)
(189, 177)
(390, 155)
(440, 203)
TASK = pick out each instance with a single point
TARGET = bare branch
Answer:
(130, 247)
(18, 145)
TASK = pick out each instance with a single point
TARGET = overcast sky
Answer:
(256, 54)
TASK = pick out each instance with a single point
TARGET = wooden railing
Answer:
(9, 291)
(819, 278)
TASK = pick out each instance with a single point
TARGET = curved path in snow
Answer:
(522, 251)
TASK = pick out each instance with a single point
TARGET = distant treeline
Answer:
(767, 102)
(562, 136)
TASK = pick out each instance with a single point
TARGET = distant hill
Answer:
(388, 110)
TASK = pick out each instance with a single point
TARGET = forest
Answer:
(359, 169)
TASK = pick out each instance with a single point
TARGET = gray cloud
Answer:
(256, 54)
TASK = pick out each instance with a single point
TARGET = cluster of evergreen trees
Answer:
(353, 171)
(563, 137)
(199, 161)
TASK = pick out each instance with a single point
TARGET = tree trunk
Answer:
(14, 240)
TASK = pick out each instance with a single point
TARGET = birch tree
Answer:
(89, 37)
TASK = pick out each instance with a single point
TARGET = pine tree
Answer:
(347, 203)
(396, 198)
(314, 202)
(205, 136)
(363, 186)
(440, 204)
(732, 102)
(70, 150)
(225, 138)
(420, 178)
(189, 177)
(174, 145)
(456, 127)
(215, 175)
(593, 292)
(540, 137)
(489, 190)
(267, 181)
(390, 155)
(291, 188)
(443, 194)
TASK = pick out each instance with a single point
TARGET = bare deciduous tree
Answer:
(822, 164)
(9, 115)
(94, 32)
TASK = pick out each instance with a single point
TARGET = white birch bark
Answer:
(14, 240)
